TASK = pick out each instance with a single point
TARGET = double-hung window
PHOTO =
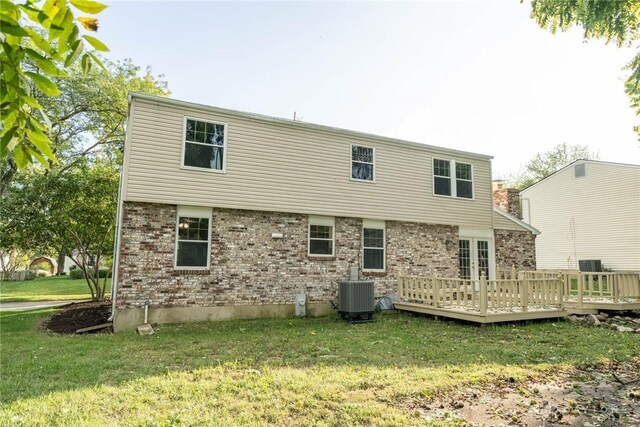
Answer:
(451, 178)
(373, 245)
(204, 144)
(362, 163)
(193, 241)
(321, 236)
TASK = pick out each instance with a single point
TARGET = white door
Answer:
(476, 258)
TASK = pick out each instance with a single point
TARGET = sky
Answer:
(476, 76)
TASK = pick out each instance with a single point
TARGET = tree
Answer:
(73, 210)
(89, 115)
(614, 21)
(31, 54)
(544, 164)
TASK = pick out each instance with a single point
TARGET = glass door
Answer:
(475, 258)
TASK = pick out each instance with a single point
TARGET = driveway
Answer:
(32, 305)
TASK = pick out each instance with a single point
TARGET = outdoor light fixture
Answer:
(183, 224)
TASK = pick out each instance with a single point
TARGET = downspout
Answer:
(116, 244)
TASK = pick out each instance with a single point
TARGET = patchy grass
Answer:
(275, 371)
(52, 288)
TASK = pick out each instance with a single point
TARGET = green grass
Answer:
(46, 289)
(274, 371)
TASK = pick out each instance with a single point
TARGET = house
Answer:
(227, 214)
(588, 210)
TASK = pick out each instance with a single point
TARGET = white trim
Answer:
(225, 150)
(193, 212)
(326, 221)
(452, 179)
(375, 225)
(516, 221)
(373, 163)
(291, 123)
(483, 233)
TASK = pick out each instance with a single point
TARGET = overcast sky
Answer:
(476, 76)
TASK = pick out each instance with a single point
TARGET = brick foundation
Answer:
(249, 267)
(515, 249)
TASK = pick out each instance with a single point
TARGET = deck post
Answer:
(513, 273)
(400, 287)
(524, 286)
(580, 289)
(615, 285)
(483, 295)
(436, 289)
(560, 285)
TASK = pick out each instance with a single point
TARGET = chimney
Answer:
(506, 199)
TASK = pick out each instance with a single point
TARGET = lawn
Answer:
(318, 371)
(46, 289)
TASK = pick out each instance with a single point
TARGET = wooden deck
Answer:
(519, 296)
(482, 301)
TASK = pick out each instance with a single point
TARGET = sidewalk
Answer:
(32, 305)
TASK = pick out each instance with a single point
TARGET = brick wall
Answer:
(249, 267)
(507, 199)
(515, 249)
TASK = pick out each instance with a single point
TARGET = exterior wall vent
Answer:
(356, 300)
(580, 170)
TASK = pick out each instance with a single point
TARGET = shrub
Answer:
(76, 273)
(103, 272)
(43, 273)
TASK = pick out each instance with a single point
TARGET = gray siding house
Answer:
(226, 214)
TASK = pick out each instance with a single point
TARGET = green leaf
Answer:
(97, 61)
(86, 64)
(40, 158)
(97, 44)
(5, 139)
(32, 102)
(21, 158)
(44, 84)
(88, 6)
(9, 28)
(7, 6)
(45, 64)
(41, 141)
(76, 49)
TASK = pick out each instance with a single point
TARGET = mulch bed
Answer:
(77, 316)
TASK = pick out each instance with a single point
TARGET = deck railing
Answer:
(611, 286)
(483, 295)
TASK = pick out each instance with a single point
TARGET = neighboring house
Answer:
(230, 214)
(588, 210)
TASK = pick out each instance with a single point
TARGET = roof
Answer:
(579, 161)
(517, 221)
(304, 125)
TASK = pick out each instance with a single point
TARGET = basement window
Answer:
(204, 145)
(193, 237)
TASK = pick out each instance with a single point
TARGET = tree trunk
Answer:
(62, 255)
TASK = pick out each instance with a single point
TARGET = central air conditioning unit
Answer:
(590, 265)
(356, 302)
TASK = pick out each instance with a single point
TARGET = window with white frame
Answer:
(321, 236)
(204, 144)
(373, 245)
(193, 237)
(451, 178)
(362, 163)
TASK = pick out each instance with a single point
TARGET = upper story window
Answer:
(193, 240)
(321, 236)
(204, 144)
(451, 178)
(362, 163)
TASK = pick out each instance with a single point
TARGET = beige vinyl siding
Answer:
(596, 216)
(284, 167)
(502, 223)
